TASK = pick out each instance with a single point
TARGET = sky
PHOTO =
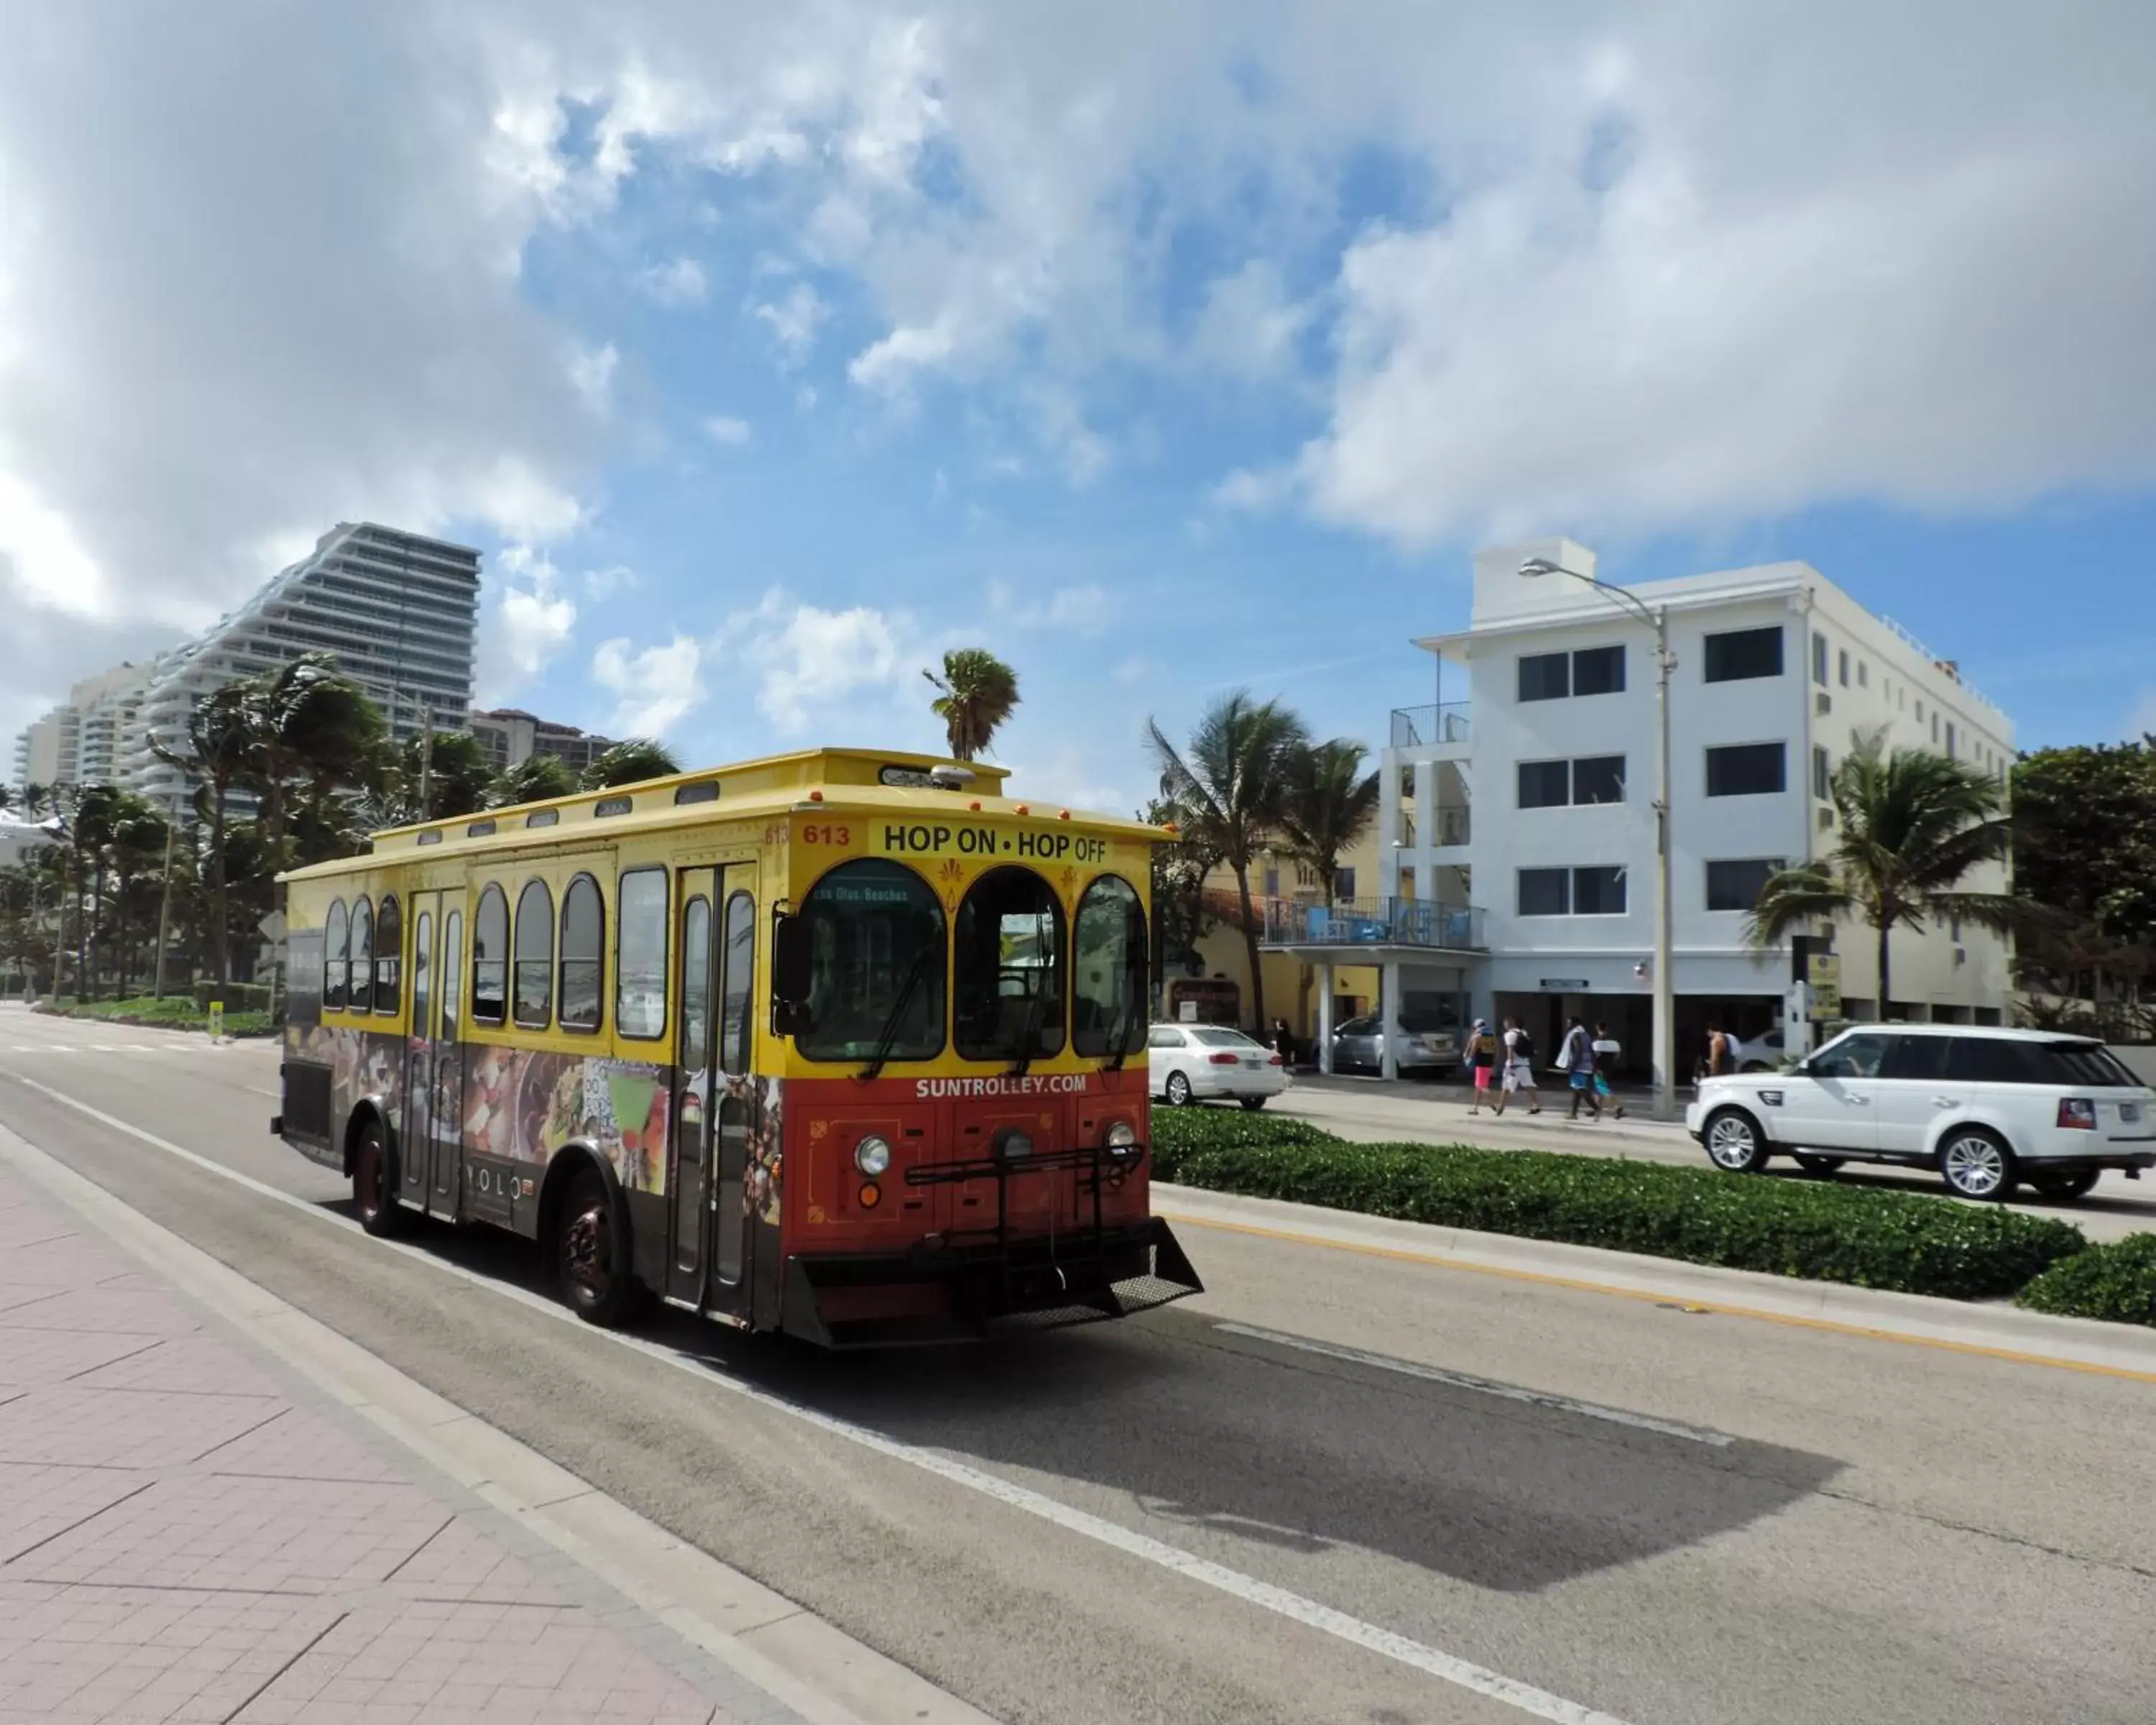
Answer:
(768, 351)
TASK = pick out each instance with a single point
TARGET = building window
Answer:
(584, 948)
(1920, 712)
(1735, 886)
(1950, 736)
(1545, 784)
(1822, 775)
(1343, 881)
(1746, 769)
(1740, 653)
(1599, 778)
(1844, 667)
(534, 969)
(1935, 725)
(1598, 892)
(1599, 671)
(1545, 892)
(639, 999)
(1863, 674)
(1545, 676)
(1818, 658)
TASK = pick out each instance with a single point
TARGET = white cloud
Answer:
(528, 626)
(1082, 609)
(809, 664)
(1248, 327)
(731, 433)
(654, 689)
(604, 583)
(45, 563)
(592, 369)
(680, 283)
(793, 319)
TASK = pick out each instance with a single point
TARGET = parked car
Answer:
(1359, 1046)
(1198, 1063)
(1762, 1054)
(1988, 1108)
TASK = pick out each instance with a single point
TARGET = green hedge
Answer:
(1866, 1238)
(2116, 1282)
(238, 996)
(171, 1012)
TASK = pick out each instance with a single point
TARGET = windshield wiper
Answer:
(1144, 972)
(889, 1040)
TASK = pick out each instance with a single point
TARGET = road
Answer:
(1367, 1110)
(1664, 1516)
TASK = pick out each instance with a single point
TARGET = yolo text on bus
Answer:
(986, 841)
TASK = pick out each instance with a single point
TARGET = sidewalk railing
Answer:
(1374, 922)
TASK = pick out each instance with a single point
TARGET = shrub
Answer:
(172, 1011)
(1846, 1234)
(238, 996)
(2116, 1282)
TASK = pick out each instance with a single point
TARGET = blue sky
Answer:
(768, 353)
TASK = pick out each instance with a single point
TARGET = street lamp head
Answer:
(1540, 566)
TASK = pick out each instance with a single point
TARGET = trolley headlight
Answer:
(872, 1155)
(1121, 1135)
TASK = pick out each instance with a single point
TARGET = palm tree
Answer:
(975, 694)
(37, 801)
(1331, 803)
(536, 778)
(308, 724)
(1910, 825)
(219, 750)
(1232, 781)
(134, 846)
(631, 762)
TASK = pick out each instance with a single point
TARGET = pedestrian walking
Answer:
(1283, 1042)
(1482, 1063)
(1718, 1051)
(1519, 1069)
(1576, 1055)
(1607, 1048)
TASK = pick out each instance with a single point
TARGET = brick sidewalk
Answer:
(184, 1535)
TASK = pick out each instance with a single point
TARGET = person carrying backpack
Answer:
(1607, 1048)
(1577, 1058)
(1519, 1068)
(1482, 1062)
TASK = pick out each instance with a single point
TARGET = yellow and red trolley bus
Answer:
(846, 1045)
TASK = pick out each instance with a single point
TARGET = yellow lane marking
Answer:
(1400, 1254)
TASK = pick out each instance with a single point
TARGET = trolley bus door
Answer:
(445, 1152)
(733, 1055)
(688, 1185)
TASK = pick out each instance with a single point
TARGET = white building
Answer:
(1531, 800)
(511, 737)
(397, 611)
(78, 742)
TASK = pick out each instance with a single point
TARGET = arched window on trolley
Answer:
(873, 934)
(1008, 971)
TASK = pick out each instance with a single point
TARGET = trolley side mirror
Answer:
(789, 973)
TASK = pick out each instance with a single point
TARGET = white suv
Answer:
(1986, 1107)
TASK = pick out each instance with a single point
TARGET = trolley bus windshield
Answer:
(875, 968)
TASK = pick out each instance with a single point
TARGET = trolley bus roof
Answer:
(807, 781)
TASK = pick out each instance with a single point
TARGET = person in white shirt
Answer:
(1519, 1069)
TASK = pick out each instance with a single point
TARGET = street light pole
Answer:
(1666, 1013)
(165, 898)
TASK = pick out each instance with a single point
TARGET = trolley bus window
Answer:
(875, 965)
(639, 1007)
(734, 990)
(388, 949)
(1108, 979)
(695, 985)
(490, 958)
(336, 956)
(535, 954)
(363, 954)
(583, 945)
(1008, 991)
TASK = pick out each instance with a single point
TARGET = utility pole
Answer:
(426, 760)
(165, 898)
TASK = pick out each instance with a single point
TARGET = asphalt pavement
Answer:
(1341, 1487)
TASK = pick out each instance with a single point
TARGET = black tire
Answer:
(2077, 1184)
(591, 1255)
(374, 1183)
(1251, 1103)
(1734, 1142)
(1976, 1162)
(1178, 1090)
(1826, 1167)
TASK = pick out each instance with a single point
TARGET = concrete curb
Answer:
(811, 1665)
(2036, 1338)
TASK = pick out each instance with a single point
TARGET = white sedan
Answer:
(1197, 1063)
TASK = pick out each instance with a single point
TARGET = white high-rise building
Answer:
(80, 742)
(398, 611)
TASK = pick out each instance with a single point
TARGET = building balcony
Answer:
(1449, 832)
(1372, 923)
(1424, 727)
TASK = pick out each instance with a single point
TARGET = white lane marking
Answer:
(1485, 1386)
(1539, 1704)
